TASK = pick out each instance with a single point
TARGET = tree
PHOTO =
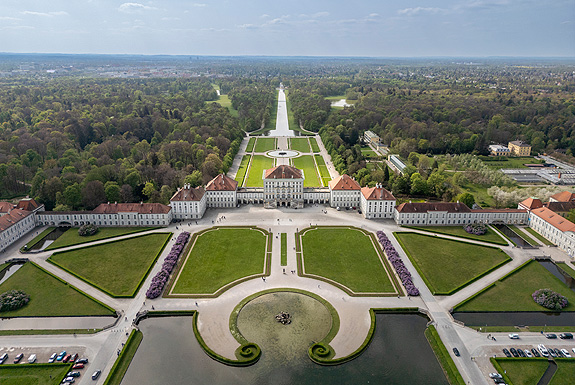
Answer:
(194, 179)
(93, 194)
(418, 185)
(401, 185)
(165, 194)
(436, 184)
(149, 189)
(571, 215)
(466, 198)
(126, 193)
(112, 190)
(73, 196)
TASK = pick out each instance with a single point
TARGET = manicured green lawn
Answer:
(284, 250)
(240, 175)
(117, 268)
(251, 143)
(526, 371)
(265, 144)
(271, 123)
(458, 231)
(566, 268)
(307, 164)
(219, 257)
(443, 356)
(323, 171)
(314, 145)
(511, 162)
(446, 265)
(71, 237)
(513, 292)
(124, 359)
(49, 296)
(292, 123)
(258, 165)
(368, 152)
(299, 144)
(35, 374)
(39, 237)
(565, 374)
(225, 101)
(540, 237)
(346, 256)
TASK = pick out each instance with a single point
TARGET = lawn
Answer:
(38, 238)
(250, 145)
(513, 292)
(49, 296)
(307, 164)
(271, 123)
(540, 237)
(346, 256)
(522, 235)
(36, 374)
(284, 250)
(299, 144)
(511, 162)
(566, 268)
(323, 171)
(124, 359)
(219, 257)
(314, 145)
(240, 175)
(458, 231)
(71, 237)
(368, 152)
(293, 125)
(265, 144)
(258, 165)
(117, 268)
(565, 372)
(526, 371)
(480, 194)
(447, 265)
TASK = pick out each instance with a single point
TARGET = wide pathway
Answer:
(282, 123)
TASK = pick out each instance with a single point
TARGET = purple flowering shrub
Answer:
(13, 300)
(549, 299)
(476, 228)
(160, 280)
(397, 264)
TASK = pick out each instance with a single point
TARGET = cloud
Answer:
(134, 8)
(170, 18)
(419, 10)
(45, 14)
(248, 26)
(198, 5)
(17, 27)
(8, 18)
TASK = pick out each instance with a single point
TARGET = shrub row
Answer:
(13, 300)
(160, 280)
(550, 299)
(87, 230)
(398, 264)
(476, 228)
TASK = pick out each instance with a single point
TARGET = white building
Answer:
(555, 228)
(283, 186)
(377, 202)
(371, 137)
(499, 150)
(222, 192)
(189, 203)
(344, 192)
(17, 220)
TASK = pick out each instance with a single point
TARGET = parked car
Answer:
(566, 353)
(573, 350)
(74, 357)
(52, 358)
(32, 359)
(506, 352)
(514, 336)
(535, 352)
(528, 353)
(514, 352)
(566, 336)
(69, 380)
(495, 375)
(499, 380)
(96, 374)
(558, 352)
(543, 350)
(18, 358)
(73, 374)
(67, 358)
(521, 353)
(456, 352)
(78, 366)
(552, 353)
(82, 361)
(551, 336)
(61, 355)
(3, 358)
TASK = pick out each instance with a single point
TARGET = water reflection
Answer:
(5, 274)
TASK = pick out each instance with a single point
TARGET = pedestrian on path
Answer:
(196, 303)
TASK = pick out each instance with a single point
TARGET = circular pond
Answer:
(310, 321)
(283, 153)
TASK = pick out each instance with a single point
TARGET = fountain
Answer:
(283, 318)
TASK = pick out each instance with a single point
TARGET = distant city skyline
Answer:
(470, 28)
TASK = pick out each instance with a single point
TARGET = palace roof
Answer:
(140, 208)
(222, 183)
(554, 219)
(283, 172)
(188, 194)
(344, 182)
(377, 193)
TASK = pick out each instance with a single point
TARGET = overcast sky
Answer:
(396, 28)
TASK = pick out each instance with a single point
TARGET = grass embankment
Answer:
(314, 145)
(117, 268)
(447, 265)
(518, 371)
(346, 256)
(265, 144)
(284, 249)
(307, 164)
(71, 237)
(34, 374)
(565, 373)
(219, 257)
(540, 237)
(458, 231)
(513, 292)
(299, 144)
(242, 170)
(38, 238)
(124, 359)
(39, 332)
(522, 235)
(271, 123)
(226, 102)
(250, 145)
(50, 296)
(566, 268)
(258, 165)
(449, 368)
(323, 171)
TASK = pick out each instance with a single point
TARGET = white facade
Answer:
(221, 198)
(345, 198)
(19, 223)
(121, 219)
(283, 186)
(189, 203)
(555, 228)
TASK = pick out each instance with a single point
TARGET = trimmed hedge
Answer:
(124, 359)
(442, 355)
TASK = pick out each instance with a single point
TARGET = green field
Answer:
(538, 236)
(513, 292)
(117, 268)
(49, 296)
(307, 164)
(314, 145)
(271, 123)
(265, 144)
(284, 250)
(299, 144)
(240, 175)
(250, 145)
(225, 101)
(447, 265)
(526, 371)
(221, 256)
(566, 268)
(35, 374)
(565, 372)
(346, 256)
(258, 165)
(71, 237)
(458, 231)
(511, 162)
(323, 171)
(293, 125)
(368, 152)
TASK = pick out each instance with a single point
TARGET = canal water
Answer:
(513, 236)
(49, 239)
(398, 354)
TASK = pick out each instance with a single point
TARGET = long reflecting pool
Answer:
(399, 354)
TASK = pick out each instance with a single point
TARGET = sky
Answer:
(376, 28)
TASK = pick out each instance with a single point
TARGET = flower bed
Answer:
(160, 280)
(87, 230)
(13, 300)
(397, 263)
(476, 228)
(550, 299)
